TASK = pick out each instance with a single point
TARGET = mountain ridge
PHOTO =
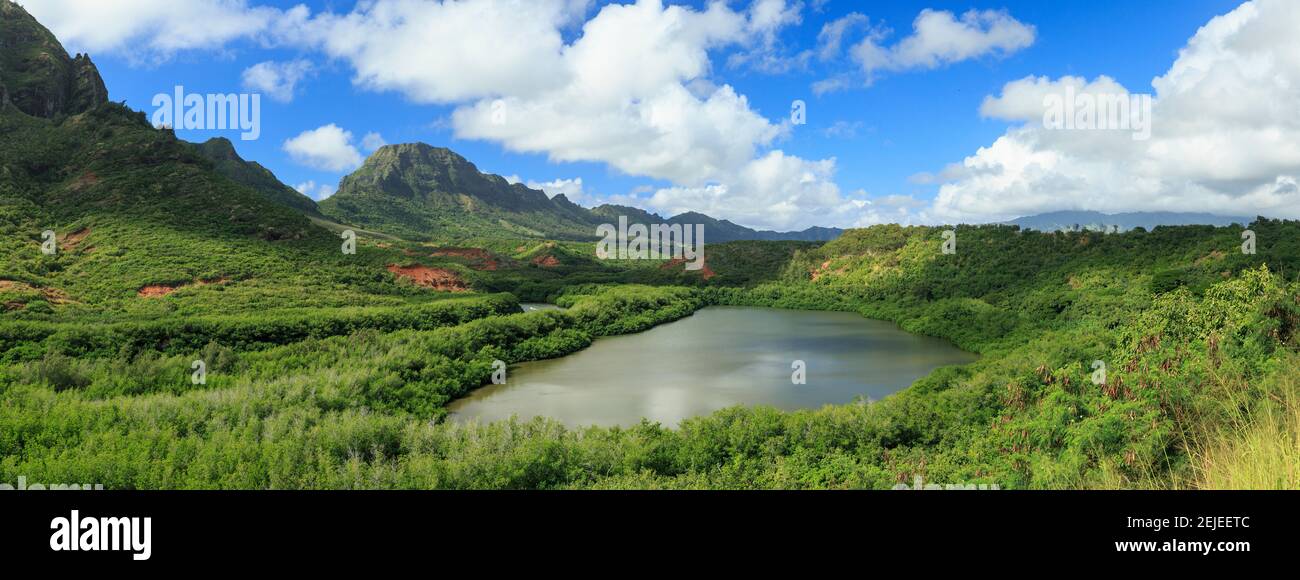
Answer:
(1098, 221)
(422, 191)
(227, 162)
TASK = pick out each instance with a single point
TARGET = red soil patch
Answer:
(816, 274)
(51, 295)
(705, 270)
(71, 240)
(478, 258)
(55, 296)
(160, 290)
(547, 261)
(436, 278)
(156, 291)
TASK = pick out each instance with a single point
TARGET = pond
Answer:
(718, 357)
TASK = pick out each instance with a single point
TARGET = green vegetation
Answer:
(325, 369)
(426, 193)
(316, 413)
(1194, 370)
(1197, 378)
(227, 162)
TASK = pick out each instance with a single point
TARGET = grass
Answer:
(1255, 447)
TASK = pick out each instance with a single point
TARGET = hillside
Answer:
(251, 174)
(1199, 342)
(422, 192)
(140, 215)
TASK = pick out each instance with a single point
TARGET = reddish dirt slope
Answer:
(435, 278)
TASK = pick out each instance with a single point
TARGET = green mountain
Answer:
(431, 193)
(717, 230)
(422, 192)
(36, 74)
(251, 174)
(136, 211)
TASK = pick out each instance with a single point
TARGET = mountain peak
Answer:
(419, 190)
(415, 170)
(36, 74)
(220, 148)
(227, 162)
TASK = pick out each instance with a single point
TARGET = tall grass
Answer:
(1258, 447)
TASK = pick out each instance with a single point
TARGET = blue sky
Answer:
(881, 133)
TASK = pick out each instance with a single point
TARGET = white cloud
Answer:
(442, 52)
(774, 191)
(842, 130)
(570, 188)
(630, 89)
(1225, 135)
(327, 148)
(277, 80)
(939, 38)
(317, 192)
(632, 99)
(831, 38)
(1023, 100)
(765, 53)
(373, 141)
(158, 26)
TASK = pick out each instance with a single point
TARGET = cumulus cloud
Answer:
(328, 148)
(831, 38)
(631, 96)
(317, 192)
(373, 141)
(570, 188)
(1225, 136)
(766, 19)
(442, 52)
(158, 26)
(776, 190)
(277, 80)
(939, 38)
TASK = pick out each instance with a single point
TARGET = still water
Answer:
(717, 358)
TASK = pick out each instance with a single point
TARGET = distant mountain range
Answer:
(419, 191)
(1097, 221)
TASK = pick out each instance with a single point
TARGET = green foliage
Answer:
(241, 332)
(427, 193)
(324, 371)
